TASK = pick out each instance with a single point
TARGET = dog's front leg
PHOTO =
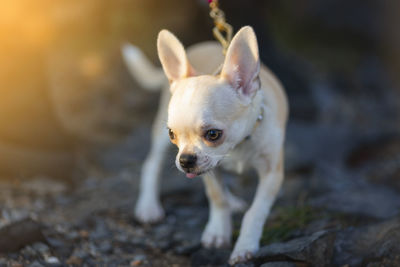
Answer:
(218, 231)
(254, 219)
(148, 207)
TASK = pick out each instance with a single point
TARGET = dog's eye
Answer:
(213, 135)
(171, 134)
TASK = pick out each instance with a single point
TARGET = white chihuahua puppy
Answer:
(234, 120)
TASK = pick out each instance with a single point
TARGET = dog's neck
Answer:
(257, 123)
(256, 117)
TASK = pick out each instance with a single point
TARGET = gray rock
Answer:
(35, 264)
(212, 257)
(335, 188)
(28, 251)
(373, 202)
(20, 234)
(316, 249)
(140, 257)
(245, 264)
(339, 190)
(187, 248)
(165, 244)
(378, 243)
(40, 247)
(101, 230)
(163, 231)
(52, 260)
(81, 254)
(105, 247)
(279, 264)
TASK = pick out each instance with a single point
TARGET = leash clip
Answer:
(222, 31)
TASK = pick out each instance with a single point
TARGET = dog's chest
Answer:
(239, 158)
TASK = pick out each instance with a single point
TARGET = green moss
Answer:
(285, 222)
(279, 227)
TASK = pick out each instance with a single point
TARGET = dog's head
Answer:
(209, 115)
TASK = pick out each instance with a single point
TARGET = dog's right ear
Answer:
(242, 64)
(173, 57)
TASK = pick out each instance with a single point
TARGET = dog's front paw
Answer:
(215, 240)
(148, 211)
(241, 254)
(217, 234)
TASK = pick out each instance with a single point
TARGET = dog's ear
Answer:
(242, 64)
(173, 57)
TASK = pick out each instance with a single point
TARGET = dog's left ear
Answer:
(173, 57)
(242, 64)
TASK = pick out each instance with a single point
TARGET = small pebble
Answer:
(138, 260)
(84, 234)
(80, 254)
(29, 251)
(74, 261)
(35, 264)
(40, 247)
(187, 249)
(136, 263)
(164, 244)
(52, 260)
(105, 247)
(140, 257)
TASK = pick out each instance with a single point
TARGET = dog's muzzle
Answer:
(188, 161)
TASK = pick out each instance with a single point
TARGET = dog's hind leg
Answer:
(236, 204)
(148, 207)
(218, 231)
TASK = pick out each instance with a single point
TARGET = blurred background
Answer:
(71, 113)
(65, 90)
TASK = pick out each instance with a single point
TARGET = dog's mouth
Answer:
(191, 175)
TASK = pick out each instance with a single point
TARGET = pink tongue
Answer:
(190, 175)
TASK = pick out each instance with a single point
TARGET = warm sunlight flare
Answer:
(26, 21)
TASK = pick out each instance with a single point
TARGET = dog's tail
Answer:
(143, 71)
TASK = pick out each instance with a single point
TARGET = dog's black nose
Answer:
(187, 161)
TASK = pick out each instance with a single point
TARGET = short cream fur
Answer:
(192, 101)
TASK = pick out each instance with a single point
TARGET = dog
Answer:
(233, 120)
